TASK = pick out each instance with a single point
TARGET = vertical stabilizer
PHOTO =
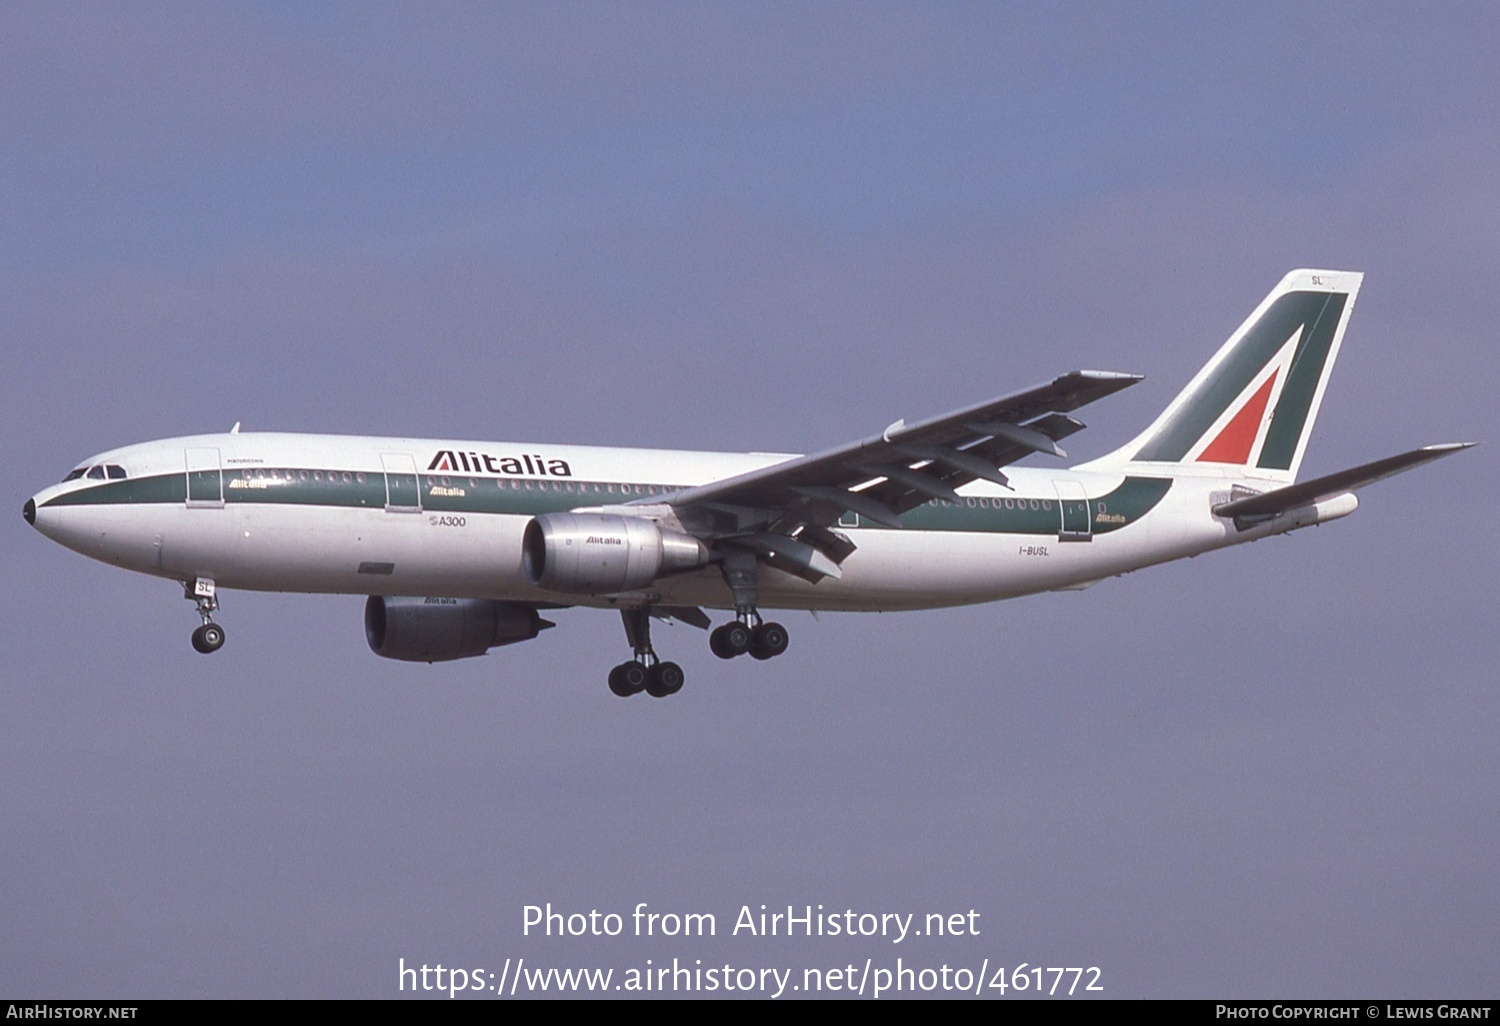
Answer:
(1253, 405)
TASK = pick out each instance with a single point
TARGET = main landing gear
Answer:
(747, 632)
(659, 679)
(208, 638)
(645, 672)
(762, 641)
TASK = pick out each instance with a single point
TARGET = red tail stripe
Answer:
(1234, 442)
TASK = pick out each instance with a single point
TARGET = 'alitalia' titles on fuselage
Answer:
(528, 464)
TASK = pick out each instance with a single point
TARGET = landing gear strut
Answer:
(645, 672)
(208, 638)
(747, 632)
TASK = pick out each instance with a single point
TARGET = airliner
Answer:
(461, 546)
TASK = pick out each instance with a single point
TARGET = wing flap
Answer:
(690, 615)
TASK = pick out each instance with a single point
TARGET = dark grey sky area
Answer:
(1267, 772)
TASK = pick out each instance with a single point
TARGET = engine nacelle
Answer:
(433, 630)
(601, 553)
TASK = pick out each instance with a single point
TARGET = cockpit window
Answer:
(98, 472)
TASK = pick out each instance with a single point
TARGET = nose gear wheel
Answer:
(208, 638)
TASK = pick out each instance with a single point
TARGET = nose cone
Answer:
(40, 514)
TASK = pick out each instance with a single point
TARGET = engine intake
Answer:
(434, 630)
(600, 553)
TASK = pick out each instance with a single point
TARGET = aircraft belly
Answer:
(129, 537)
(893, 570)
(359, 551)
(923, 569)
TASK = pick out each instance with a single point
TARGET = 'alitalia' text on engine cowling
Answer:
(602, 553)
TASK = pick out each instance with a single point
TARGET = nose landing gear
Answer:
(208, 638)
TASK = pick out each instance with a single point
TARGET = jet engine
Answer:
(601, 553)
(433, 630)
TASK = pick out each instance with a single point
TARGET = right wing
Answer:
(785, 512)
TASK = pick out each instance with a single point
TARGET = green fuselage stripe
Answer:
(515, 497)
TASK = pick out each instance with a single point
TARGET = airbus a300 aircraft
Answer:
(919, 516)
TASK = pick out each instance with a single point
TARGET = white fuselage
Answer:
(395, 516)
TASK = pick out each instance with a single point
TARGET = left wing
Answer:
(785, 512)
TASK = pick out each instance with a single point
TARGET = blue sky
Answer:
(773, 227)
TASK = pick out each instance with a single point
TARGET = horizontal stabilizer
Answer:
(1280, 500)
